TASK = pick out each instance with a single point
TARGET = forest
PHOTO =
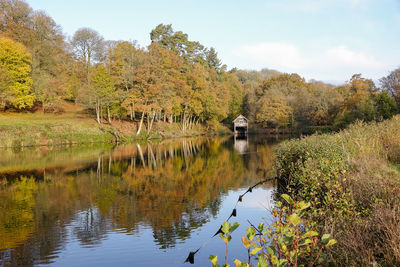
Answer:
(173, 80)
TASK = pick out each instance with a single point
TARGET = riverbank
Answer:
(37, 129)
(352, 180)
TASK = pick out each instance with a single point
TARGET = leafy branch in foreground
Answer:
(288, 241)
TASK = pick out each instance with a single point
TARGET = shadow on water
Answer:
(57, 203)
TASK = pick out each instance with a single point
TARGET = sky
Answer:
(327, 40)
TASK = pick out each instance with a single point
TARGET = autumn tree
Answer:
(47, 49)
(362, 101)
(16, 21)
(124, 61)
(15, 70)
(273, 111)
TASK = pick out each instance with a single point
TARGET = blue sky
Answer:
(326, 40)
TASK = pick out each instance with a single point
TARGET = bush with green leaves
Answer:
(314, 170)
(288, 241)
(351, 179)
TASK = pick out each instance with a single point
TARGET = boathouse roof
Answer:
(240, 117)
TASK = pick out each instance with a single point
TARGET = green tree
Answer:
(212, 59)
(103, 91)
(178, 42)
(391, 83)
(385, 106)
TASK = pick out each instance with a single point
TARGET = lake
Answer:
(145, 204)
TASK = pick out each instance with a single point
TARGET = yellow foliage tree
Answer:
(15, 71)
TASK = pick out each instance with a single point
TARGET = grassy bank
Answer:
(352, 180)
(37, 129)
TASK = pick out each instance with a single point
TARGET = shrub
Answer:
(353, 186)
(288, 241)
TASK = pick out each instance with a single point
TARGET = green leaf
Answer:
(262, 262)
(226, 239)
(303, 205)
(289, 239)
(294, 219)
(225, 227)
(325, 238)
(260, 227)
(234, 227)
(310, 234)
(331, 242)
(274, 260)
(271, 250)
(254, 251)
(214, 260)
(282, 262)
(306, 242)
(250, 233)
(287, 198)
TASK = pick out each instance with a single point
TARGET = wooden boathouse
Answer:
(240, 125)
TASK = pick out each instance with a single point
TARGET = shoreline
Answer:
(48, 130)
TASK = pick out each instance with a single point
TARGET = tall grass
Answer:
(352, 180)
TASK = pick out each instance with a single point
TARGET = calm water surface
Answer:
(134, 205)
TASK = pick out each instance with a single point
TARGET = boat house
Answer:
(240, 125)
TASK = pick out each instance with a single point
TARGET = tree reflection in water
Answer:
(172, 187)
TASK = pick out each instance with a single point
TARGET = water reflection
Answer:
(241, 144)
(57, 203)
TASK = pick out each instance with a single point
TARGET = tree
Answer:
(385, 106)
(391, 84)
(124, 61)
(88, 46)
(47, 49)
(15, 70)
(358, 101)
(273, 111)
(178, 42)
(16, 20)
(212, 59)
(103, 91)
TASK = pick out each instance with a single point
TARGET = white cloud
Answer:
(343, 57)
(277, 54)
(335, 63)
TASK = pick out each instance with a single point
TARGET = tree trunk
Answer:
(108, 114)
(184, 122)
(101, 112)
(149, 126)
(98, 112)
(131, 112)
(140, 124)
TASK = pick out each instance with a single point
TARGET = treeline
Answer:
(172, 80)
(287, 100)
